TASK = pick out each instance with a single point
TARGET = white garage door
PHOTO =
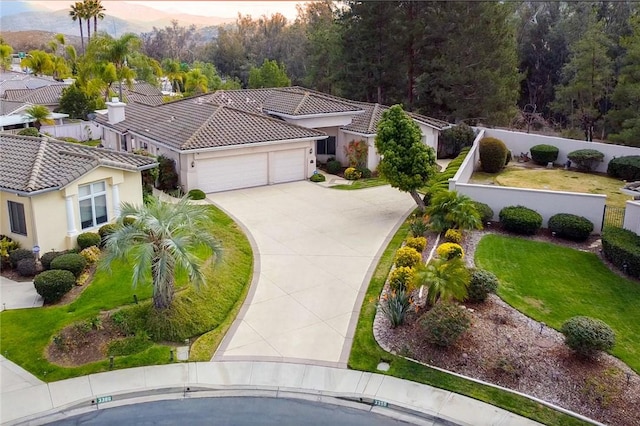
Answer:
(288, 166)
(241, 171)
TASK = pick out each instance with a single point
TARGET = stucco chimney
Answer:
(115, 110)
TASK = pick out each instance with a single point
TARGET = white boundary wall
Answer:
(81, 130)
(632, 216)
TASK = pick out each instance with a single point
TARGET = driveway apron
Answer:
(314, 249)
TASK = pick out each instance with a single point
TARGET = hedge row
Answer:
(622, 247)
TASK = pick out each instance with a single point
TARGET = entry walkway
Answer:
(18, 295)
(315, 249)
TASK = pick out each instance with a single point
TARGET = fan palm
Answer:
(449, 209)
(96, 11)
(116, 51)
(40, 114)
(77, 14)
(161, 241)
(444, 279)
(196, 82)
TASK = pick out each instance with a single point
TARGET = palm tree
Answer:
(448, 209)
(195, 82)
(39, 62)
(77, 14)
(116, 51)
(40, 114)
(96, 11)
(445, 279)
(161, 241)
(173, 72)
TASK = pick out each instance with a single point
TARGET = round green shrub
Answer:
(88, 239)
(543, 154)
(622, 248)
(105, 231)
(196, 194)
(482, 283)
(418, 243)
(72, 262)
(570, 226)
(54, 284)
(444, 324)
(520, 219)
(400, 278)
(46, 258)
(407, 256)
(625, 168)
(29, 131)
(586, 159)
(317, 177)
(486, 212)
(493, 154)
(454, 139)
(352, 173)
(453, 236)
(333, 167)
(587, 336)
(448, 251)
(26, 267)
(17, 255)
(365, 172)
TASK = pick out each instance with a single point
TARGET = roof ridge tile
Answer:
(37, 164)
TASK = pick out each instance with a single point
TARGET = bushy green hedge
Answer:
(17, 255)
(105, 231)
(444, 324)
(520, 219)
(486, 212)
(482, 283)
(452, 140)
(317, 177)
(626, 168)
(196, 194)
(586, 159)
(88, 239)
(407, 256)
(493, 154)
(543, 154)
(440, 181)
(351, 173)
(622, 247)
(29, 131)
(54, 284)
(365, 172)
(26, 267)
(48, 257)
(587, 336)
(333, 167)
(72, 262)
(570, 226)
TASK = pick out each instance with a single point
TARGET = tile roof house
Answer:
(13, 116)
(50, 191)
(250, 137)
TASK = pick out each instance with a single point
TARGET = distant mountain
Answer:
(8, 8)
(24, 41)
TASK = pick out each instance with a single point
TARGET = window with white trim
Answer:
(17, 220)
(93, 204)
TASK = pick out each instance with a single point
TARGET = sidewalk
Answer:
(18, 295)
(402, 399)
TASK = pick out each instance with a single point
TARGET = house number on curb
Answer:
(103, 399)
(379, 403)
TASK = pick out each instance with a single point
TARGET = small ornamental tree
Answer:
(406, 163)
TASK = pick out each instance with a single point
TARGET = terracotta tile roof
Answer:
(47, 95)
(9, 107)
(32, 164)
(195, 123)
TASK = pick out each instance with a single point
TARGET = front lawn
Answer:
(26, 333)
(363, 183)
(551, 283)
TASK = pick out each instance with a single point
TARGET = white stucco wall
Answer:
(632, 216)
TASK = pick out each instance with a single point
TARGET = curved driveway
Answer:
(315, 249)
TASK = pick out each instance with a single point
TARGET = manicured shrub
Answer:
(317, 177)
(196, 194)
(88, 239)
(570, 226)
(105, 231)
(444, 324)
(453, 236)
(395, 307)
(17, 255)
(622, 248)
(418, 243)
(625, 168)
(543, 154)
(130, 345)
(452, 140)
(418, 227)
(407, 256)
(508, 158)
(482, 283)
(448, 251)
(46, 258)
(7, 245)
(486, 212)
(364, 172)
(333, 167)
(26, 267)
(351, 173)
(29, 131)
(54, 284)
(520, 219)
(586, 159)
(71, 262)
(493, 154)
(167, 175)
(588, 336)
(91, 254)
(400, 279)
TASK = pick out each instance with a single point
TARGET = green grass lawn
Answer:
(557, 179)
(366, 354)
(25, 333)
(551, 283)
(363, 183)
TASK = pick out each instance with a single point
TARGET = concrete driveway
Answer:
(315, 249)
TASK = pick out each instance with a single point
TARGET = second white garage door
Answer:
(287, 166)
(226, 173)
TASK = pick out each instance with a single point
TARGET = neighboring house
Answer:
(233, 139)
(10, 80)
(50, 191)
(13, 116)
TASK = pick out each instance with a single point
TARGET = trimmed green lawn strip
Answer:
(362, 183)
(25, 333)
(366, 354)
(551, 283)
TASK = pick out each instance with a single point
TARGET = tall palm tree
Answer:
(161, 241)
(116, 51)
(195, 82)
(77, 14)
(96, 11)
(40, 114)
(444, 279)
